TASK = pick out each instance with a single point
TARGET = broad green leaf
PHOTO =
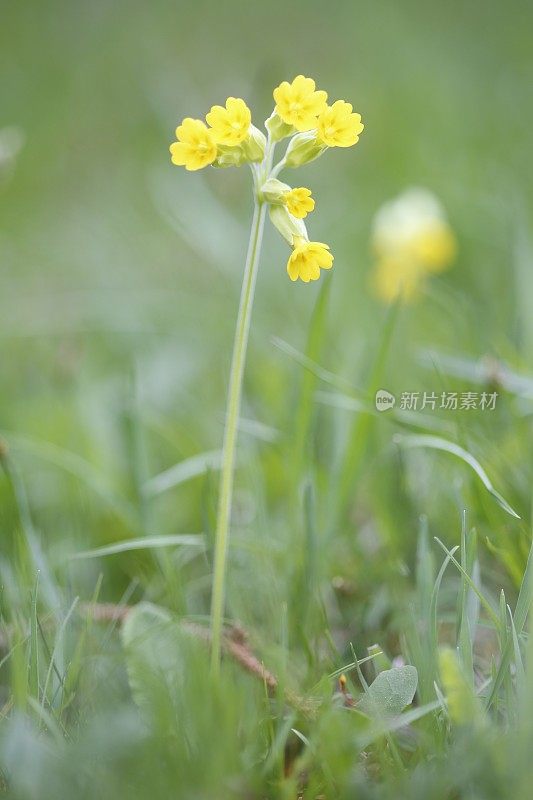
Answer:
(391, 692)
(157, 649)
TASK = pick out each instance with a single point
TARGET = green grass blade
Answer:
(147, 543)
(363, 424)
(437, 443)
(76, 466)
(184, 471)
(486, 605)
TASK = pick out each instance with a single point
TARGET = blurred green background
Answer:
(119, 283)
(120, 273)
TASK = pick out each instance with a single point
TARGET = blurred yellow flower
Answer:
(435, 247)
(339, 125)
(230, 124)
(307, 259)
(412, 239)
(195, 148)
(299, 103)
(299, 202)
(397, 277)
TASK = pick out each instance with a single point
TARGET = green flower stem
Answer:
(230, 431)
(277, 169)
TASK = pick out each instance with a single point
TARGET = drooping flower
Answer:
(412, 239)
(195, 148)
(299, 103)
(339, 126)
(299, 202)
(307, 259)
(230, 125)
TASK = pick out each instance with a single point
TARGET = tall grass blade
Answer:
(436, 443)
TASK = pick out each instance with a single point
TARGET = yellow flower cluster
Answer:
(411, 240)
(299, 105)
(230, 139)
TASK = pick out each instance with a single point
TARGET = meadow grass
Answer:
(361, 541)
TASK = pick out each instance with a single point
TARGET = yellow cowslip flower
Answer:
(412, 239)
(339, 126)
(195, 148)
(299, 202)
(230, 125)
(299, 103)
(228, 138)
(307, 259)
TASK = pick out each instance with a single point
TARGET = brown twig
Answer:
(234, 644)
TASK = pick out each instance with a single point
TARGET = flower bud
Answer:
(254, 145)
(303, 148)
(251, 149)
(277, 128)
(230, 156)
(274, 191)
(287, 225)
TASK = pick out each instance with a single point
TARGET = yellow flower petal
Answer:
(180, 153)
